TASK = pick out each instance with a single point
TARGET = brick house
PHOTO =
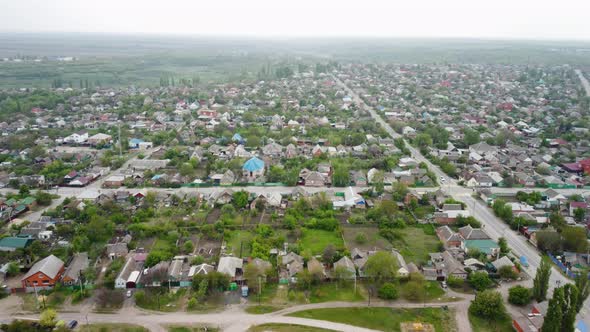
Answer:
(44, 274)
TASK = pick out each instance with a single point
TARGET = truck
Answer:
(524, 261)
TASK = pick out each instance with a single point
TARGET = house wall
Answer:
(42, 280)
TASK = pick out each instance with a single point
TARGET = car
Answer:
(129, 293)
(72, 324)
(444, 284)
(442, 179)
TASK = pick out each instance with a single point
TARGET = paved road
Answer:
(495, 227)
(234, 319)
(584, 81)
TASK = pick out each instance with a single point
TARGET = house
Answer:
(203, 269)
(44, 274)
(293, 264)
(129, 275)
(501, 262)
(450, 216)
(75, 269)
(316, 268)
(11, 243)
(448, 237)
(346, 264)
(223, 197)
(358, 178)
(487, 246)
(100, 139)
(314, 179)
(76, 138)
(231, 266)
(114, 181)
(253, 168)
(445, 265)
(350, 199)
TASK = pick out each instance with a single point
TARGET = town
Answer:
(314, 193)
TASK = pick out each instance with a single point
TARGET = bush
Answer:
(480, 280)
(455, 282)
(388, 291)
(519, 295)
(507, 272)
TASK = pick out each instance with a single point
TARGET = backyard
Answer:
(364, 238)
(317, 240)
(416, 242)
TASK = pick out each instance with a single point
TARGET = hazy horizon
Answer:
(539, 20)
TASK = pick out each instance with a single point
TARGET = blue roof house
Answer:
(253, 168)
(134, 143)
(238, 138)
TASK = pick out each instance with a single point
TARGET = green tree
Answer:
(554, 316)
(329, 254)
(240, 199)
(188, 247)
(541, 281)
(488, 305)
(507, 272)
(568, 307)
(575, 239)
(43, 198)
(503, 244)
(388, 291)
(381, 266)
(583, 286)
(519, 295)
(48, 318)
(480, 280)
(579, 214)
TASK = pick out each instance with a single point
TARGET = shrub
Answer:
(455, 282)
(519, 295)
(388, 291)
(507, 272)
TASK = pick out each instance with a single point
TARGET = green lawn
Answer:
(201, 328)
(482, 325)
(236, 239)
(383, 319)
(327, 292)
(108, 327)
(431, 291)
(317, 240)
(415, 243)
(374, 240)
(261, 309)
(154, 300)
(277, 327)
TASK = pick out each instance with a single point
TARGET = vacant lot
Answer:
(371, 235)
(383, 319)
(482, 325)
(414, 243)
(317, 240)
(237, 240)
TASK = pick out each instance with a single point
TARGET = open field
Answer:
(317, 240)
(414, 243)
(482, 325)
(383, 319)
(374, 240)
(238, 242)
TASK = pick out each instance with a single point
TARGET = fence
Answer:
(561, 266)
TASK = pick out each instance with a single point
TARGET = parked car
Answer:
(72, 324)
(444, 284)
(129, 293)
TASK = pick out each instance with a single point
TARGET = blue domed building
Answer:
(253, 168)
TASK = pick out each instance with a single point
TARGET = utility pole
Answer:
(259, 289)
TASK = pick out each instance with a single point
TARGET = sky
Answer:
(498, 19)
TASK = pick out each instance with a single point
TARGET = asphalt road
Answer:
(495, 227)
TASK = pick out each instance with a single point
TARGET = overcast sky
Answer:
(514, 19)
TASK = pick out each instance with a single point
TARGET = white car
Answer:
(129, 293)
(442, 179)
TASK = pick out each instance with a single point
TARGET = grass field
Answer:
(327, 292)
(317, 240)
(261, 309)
(374, 240)
(277, 327)
(108, 327)
(201, 328)
(383, 319)
(414, 243)
(236, 239)
(432, 291)
(482, 325)
(153, 300)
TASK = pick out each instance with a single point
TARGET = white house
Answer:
(77, 138)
